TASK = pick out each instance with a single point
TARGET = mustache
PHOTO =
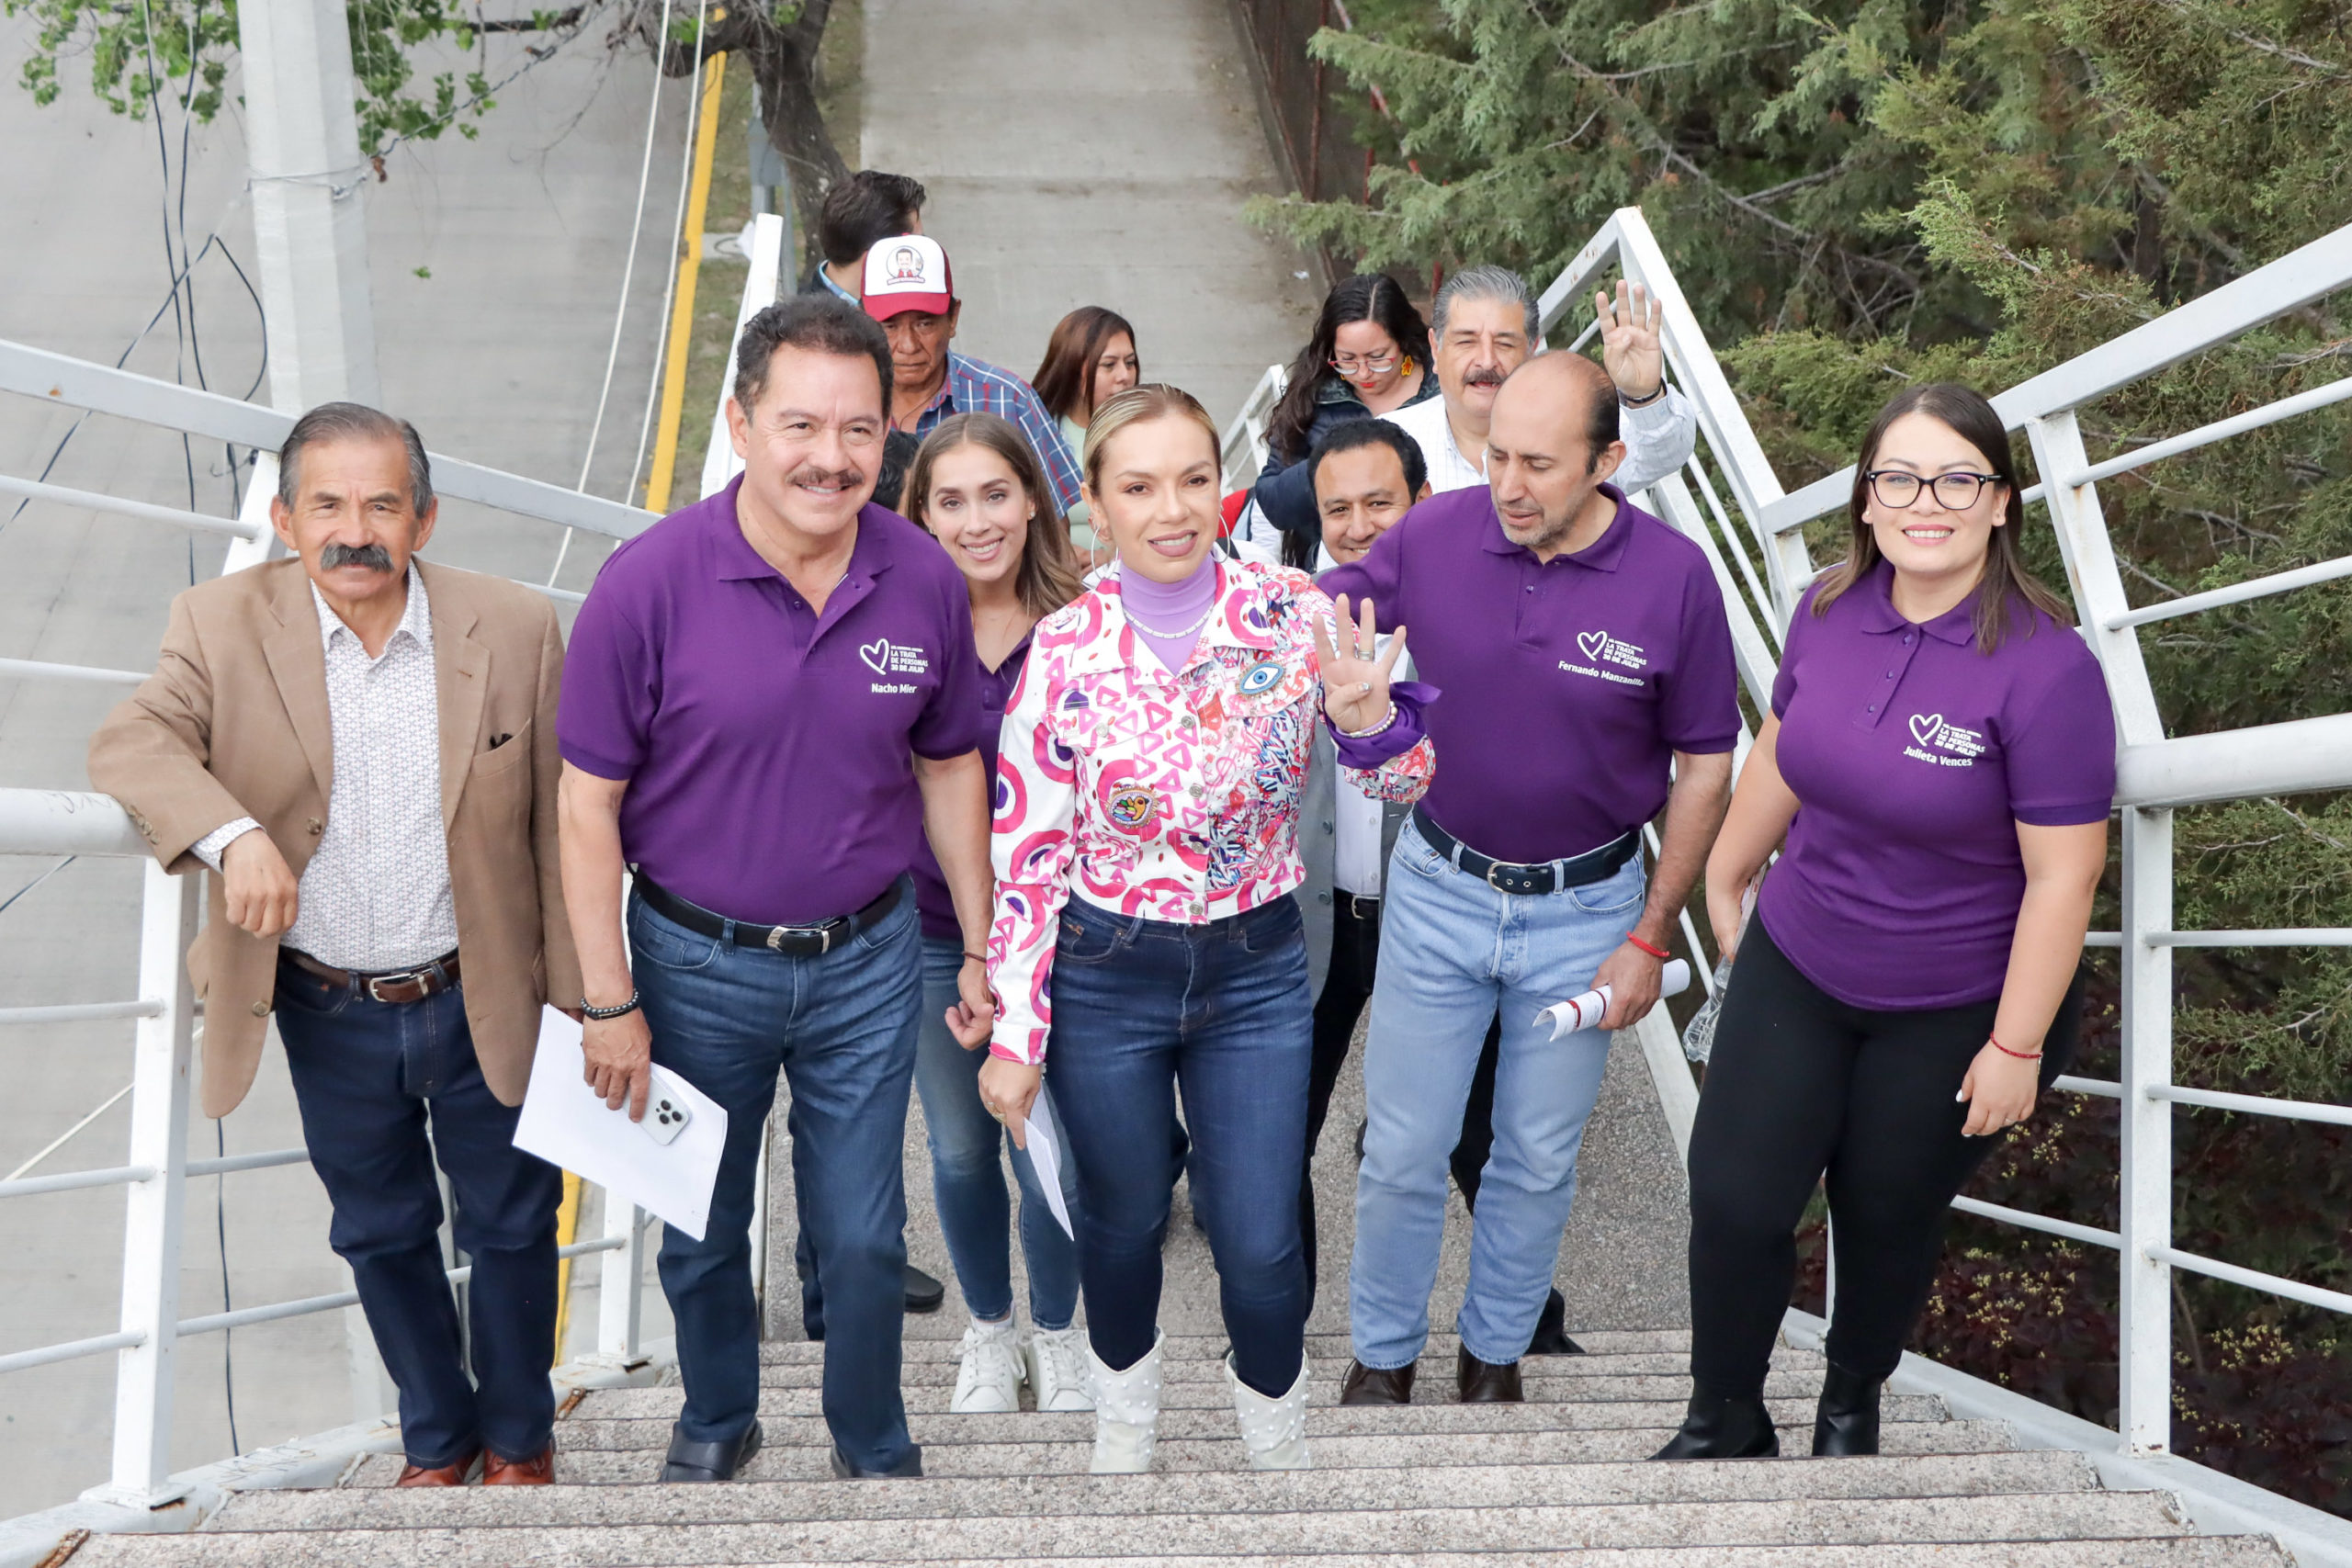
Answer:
(809, 473)
(1484, 377)
(375, 557)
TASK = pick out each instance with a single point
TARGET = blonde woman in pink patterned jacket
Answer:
(1146, 847)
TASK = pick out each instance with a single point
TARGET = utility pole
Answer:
(309, 224)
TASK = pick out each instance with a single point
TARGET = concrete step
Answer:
(1208, 1348)
(1812, 1522)
(937, 1425)
(1221, 1450)
(801, 1396)
(1434, 1369)
(2179, 1551)
(1333, 1490)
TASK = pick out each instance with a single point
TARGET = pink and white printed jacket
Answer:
(1170, 795)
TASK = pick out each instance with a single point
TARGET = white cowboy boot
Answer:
(1126, 1412)
(1274, 1430)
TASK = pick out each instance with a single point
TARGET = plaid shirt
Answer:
(976, 387)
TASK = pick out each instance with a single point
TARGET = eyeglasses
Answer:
(1378, 364)
(1898, 488)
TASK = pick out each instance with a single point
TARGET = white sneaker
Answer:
(989, 1383)
(1055, 1360)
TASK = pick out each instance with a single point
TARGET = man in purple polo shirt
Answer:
(1583, 648)
(768, 695)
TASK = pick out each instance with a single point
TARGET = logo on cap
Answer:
(905, 266)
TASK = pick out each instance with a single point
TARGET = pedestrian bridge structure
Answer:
(1972, 1474)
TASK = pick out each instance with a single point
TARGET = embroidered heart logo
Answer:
(1925, 728)
(1592, 643)
(877, 655)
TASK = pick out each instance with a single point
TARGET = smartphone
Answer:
(665, 1111)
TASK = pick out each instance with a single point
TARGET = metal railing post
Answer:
(162, 1061)
(2145, 1189)
(620, 1306)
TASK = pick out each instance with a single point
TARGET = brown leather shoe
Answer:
(455, 1474)
(1372, 1385)
(1483, 1382)
(537, 1472)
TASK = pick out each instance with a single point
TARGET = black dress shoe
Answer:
(720, 1460)
(1847, 1421)
(906, 1469)
(1374, 1386)
(1552, 1329)
(1486, 1382)
(923, 1292)
(1718, 1427)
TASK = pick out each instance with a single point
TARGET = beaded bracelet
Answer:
(1376, 729)
(1646, 947)
(2004, 1050)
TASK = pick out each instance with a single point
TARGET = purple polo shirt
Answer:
(767, 749)
(995, 687)
(1913, 756)
(1568, 684)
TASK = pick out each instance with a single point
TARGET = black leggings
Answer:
(1801, 1086)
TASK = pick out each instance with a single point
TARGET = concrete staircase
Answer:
(1434, 1482)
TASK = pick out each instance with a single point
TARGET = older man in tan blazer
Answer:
(362, 747)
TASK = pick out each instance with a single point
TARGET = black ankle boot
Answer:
(1847, 1422)
(1720, 1428)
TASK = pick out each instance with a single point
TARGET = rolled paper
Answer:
(1586, 1010)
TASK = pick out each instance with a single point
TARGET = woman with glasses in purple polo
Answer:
(1939, 761)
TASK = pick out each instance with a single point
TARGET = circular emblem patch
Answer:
(1132, 808)
(1260, 677)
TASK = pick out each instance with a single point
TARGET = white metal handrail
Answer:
(1242, 449)
(2157, 772)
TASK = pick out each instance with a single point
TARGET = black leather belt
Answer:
(798, 942)
(1547, 876)
(396, 986)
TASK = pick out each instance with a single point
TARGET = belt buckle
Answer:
(405, 978)
(1522, 876)
(824, 935)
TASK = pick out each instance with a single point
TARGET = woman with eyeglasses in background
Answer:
(1089, 359)
(1940, 760)
(1369, 355)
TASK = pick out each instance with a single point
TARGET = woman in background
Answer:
(976, 485)
(1369, 355)
(1089, 359)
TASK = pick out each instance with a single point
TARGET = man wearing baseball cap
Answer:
(910, 290)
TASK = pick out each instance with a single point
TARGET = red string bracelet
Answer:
(1646, 947)
(2004, 1050)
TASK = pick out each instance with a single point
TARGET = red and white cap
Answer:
(907, 273)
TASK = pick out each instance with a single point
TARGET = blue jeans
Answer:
(1142, 1006)
(966, 1179)
(842, 1027)
(1452, 950)
(368, 1078)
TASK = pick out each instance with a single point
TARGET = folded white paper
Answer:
(1046, 1157)
(565, 1124)
(1589, 1010)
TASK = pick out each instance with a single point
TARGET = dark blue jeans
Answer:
(1141, 1009)
(842, 1029)
(368, 1076)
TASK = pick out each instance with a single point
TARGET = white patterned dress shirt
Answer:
(375, 896)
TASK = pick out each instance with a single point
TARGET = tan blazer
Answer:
(235, 723)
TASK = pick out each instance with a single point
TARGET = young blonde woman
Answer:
(977, 487)
(1146, 850)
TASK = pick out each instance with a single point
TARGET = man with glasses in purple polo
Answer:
(768, 695)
